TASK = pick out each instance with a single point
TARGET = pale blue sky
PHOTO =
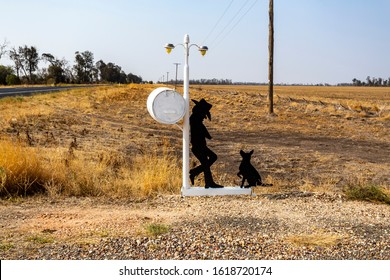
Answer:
(316, 41)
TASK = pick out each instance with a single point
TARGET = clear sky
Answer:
(316, 41)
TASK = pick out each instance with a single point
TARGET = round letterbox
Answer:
(166, 105)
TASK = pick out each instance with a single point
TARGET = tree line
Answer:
(371, 82)
(203, 82)
(25, 68)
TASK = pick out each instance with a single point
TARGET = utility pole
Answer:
(177, 64)
(167, 77)
(271, 58)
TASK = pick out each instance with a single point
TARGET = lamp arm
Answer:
(193, 45)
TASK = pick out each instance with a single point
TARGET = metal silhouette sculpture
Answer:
(248, 172)
(199, 134)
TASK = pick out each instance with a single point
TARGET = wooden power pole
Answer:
(271, 58)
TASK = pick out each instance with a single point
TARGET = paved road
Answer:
(27, 91)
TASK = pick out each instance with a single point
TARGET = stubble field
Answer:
(104, 173)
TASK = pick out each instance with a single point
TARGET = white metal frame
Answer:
(186, 189)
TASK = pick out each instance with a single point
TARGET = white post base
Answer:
(201, 191)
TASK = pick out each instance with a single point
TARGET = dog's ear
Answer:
(242, 153)
(251, 152)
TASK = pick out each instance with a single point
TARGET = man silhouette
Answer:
(199, 134)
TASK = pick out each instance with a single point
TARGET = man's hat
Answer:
(202, 107)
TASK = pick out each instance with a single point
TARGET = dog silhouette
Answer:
(248, 172)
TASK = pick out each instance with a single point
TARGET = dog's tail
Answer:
(259, 183)
(265, 185)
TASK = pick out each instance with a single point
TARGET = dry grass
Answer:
(114, 176)
(42, 152)
(102, 142)
(21, 170)
(367, 193)
(314, 240)
(155, 174)
(154, 229)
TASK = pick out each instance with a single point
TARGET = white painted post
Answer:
(186, 124)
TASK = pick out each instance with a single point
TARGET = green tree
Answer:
(30, 58)
(56, 69)
(26, 59)
(369, 81)
(5, 71)
(133, 79)
(12, 79)
(16, 58)
(49, 58)
(84, 68)
(111, 72)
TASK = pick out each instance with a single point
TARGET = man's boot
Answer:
(209, 182)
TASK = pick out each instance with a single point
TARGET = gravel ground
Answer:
(290, 226)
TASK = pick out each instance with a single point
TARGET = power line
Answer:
(239, 20)
(216, 24)
(228, 24)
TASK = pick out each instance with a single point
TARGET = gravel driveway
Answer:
(290, 226)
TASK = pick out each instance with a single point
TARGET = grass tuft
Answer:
(314, 240)
(39, 239)
(6, 246)
(369, 193)
(156, 229)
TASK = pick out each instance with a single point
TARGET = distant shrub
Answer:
(5, 71)
(51, 81)
(12, 80)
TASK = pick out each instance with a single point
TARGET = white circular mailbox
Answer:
(166, 105)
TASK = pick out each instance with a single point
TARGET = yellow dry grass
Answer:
(102, 142)
(314, 240)
(59, 166)
(21, 170)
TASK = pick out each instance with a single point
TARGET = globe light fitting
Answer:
(169, 48)
(203, 50)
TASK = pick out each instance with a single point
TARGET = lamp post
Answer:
(186, 96)
(176, 64)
